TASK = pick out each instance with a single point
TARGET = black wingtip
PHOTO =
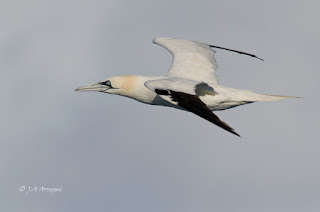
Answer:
(231, 130)
(237, 134)
(239, 52)
(258, 58)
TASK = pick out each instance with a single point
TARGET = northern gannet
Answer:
(190, 84)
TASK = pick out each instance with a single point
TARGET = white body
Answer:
(226, 97)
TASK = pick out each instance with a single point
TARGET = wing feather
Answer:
(191, 59)
(193, 104)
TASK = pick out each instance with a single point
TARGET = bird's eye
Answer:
(107, 83)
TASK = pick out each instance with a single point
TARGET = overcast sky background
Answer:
(111, 153)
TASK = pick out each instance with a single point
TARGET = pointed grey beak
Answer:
(93, 87)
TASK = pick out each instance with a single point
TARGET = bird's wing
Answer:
(191, 59)
(185, 93)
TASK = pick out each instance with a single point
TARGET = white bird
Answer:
(190, 84)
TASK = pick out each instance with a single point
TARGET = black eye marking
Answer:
(107, 83)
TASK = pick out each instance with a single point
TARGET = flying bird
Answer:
(191, 83)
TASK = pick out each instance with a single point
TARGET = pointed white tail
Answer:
(263, 97)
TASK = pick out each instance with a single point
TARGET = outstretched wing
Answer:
(191, 59)
(185, 93)
(193, 104)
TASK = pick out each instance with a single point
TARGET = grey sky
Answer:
(111, 153)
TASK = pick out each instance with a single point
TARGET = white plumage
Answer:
(191, 60)
(190, 84)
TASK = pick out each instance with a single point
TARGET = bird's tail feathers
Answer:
(264, 97)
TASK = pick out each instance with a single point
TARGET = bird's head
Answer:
(121, 85)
